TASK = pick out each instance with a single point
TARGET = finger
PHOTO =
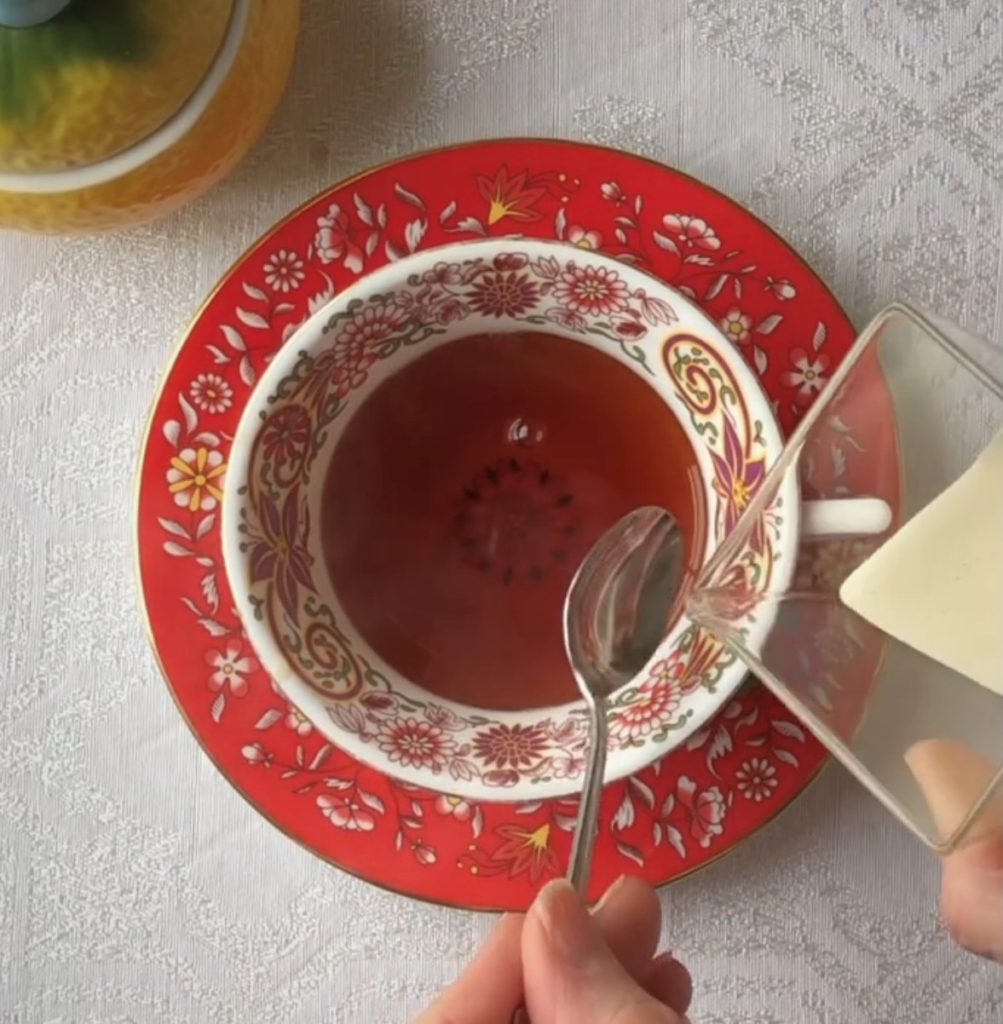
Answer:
(953, 777)
(971, 896)
(490, 989)
(630, 919)
(670, 983)
(570, 972)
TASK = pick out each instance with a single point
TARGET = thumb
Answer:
(570, 973)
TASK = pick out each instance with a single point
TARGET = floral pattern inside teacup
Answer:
(295, 418)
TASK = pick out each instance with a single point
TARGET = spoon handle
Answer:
(580, 867)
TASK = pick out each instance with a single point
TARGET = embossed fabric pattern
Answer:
(135, 884)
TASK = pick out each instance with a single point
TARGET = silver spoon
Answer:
(615, 615)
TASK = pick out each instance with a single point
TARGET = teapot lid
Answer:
(84, 80)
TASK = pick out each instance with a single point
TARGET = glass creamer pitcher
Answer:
(880, 630)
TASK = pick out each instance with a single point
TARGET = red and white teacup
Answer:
(298, 414)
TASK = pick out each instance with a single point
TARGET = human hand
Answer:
(971, 895)
(567, 964)
(571, 973)
(952, 778)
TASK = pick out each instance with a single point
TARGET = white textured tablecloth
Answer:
(135, 885)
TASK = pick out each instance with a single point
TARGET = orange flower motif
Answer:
(511, 195)
(196, 478)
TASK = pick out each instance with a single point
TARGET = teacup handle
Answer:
(845, 517)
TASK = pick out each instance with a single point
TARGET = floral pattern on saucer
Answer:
(732, 775)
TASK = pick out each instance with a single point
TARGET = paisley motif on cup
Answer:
(693, 372)
(334, 671)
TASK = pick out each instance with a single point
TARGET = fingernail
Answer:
(611, 893)
(568, 925)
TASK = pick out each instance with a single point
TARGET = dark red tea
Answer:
(467, 489)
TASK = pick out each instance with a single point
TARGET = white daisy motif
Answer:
(211, 393)
(757, 779)
(284, 271)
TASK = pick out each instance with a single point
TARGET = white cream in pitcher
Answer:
(937, 585)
